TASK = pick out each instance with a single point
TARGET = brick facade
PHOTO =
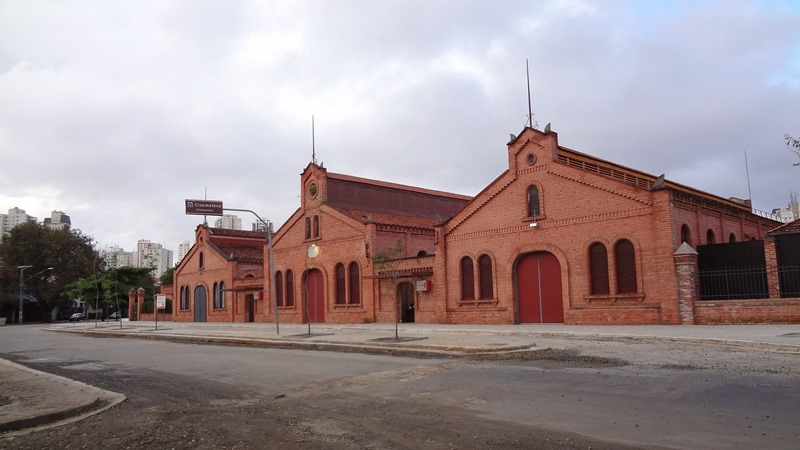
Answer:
(604, 235)
(232, 259)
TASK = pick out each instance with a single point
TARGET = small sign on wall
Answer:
(423, 285)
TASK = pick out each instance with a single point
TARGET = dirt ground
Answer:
(198, 414)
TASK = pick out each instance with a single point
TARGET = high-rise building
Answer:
(117, 257)
(153, 255)
(183, 249)
(790, 213)
(57, 221)
(229, 221)
(14, 217)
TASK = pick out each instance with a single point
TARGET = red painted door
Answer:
(316, 297)
(539, 289)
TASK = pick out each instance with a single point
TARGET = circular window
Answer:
(313, 189)
(531, 159)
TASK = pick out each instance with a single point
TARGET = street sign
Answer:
(161, 302)
(204, 207)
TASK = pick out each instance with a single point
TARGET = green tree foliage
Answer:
(166, 277)
(69, 252)
(110, 287)
(386, 261)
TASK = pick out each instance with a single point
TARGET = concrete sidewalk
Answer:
(30, 398)
(438, 338)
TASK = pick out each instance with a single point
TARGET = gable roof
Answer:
(238, 245)
(369, 200)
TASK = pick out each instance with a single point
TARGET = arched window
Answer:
(732, 238)
(215, 295)
(710, 238)
(222, 294)
(467, 279)
(289, 288)
(686, 235)
(533, 202)
(183, 298)
(279, 288)
(355, 283)
(486, 279)
(316, 226)
(308, 227)
(598, 269)
(201, 260)
(625, 257)
(340, 284)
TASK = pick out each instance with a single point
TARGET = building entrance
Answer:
(539, 296)
(405, 298)
(200, 304)
(315, 296)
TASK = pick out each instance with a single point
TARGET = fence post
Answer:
(688, 282)
(140, 302)
(771, 257)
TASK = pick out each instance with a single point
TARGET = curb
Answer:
(433, 351)
(100, 401)
(428, 350)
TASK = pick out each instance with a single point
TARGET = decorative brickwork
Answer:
(551, 205)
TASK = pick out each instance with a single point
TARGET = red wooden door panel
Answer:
(539, 289)
(316, 297)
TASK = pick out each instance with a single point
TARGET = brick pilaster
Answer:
(686, 272)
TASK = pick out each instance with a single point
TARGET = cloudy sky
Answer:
(116, 111)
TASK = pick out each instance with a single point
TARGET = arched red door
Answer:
(539, 289)
(316, 296)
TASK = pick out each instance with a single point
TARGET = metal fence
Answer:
(734, 283)
(789, 277)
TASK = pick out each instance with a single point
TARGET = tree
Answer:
(110, 287)
(69, 252)
(384, 261)
(794, 146)
(166, 277)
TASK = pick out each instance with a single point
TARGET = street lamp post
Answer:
(21, 284)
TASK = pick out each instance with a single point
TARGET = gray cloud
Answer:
(116, 112)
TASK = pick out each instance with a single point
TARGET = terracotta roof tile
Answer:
(791, 227)
(340, 176)
(389, 219)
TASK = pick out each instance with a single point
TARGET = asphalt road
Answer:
(578, 395)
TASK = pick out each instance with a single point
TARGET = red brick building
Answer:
(559, 237)
(220, 277)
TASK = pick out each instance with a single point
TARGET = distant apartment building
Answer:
(14, 217)
(183, 249)
(229, 222)
(116, 257)
(791, 212)
(153, 255)
(57, 221)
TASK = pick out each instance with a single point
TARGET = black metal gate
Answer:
(732, 271)
(788, 252)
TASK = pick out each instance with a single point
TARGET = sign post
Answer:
(161, 303)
